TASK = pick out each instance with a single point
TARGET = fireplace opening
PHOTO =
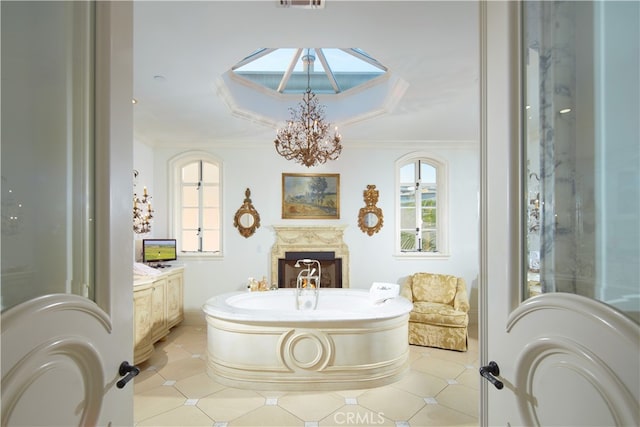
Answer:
(330, 265)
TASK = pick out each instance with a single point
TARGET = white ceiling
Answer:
(430, 47)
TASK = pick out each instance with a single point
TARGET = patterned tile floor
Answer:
(173, 389)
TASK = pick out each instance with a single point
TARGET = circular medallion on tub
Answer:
(307, 349)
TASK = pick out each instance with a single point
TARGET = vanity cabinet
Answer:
(142, 344)
(175, 303)
(158, 307)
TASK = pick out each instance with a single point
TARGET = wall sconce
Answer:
(142, 212)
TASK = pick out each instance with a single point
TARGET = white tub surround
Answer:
(258, 340)
(310, 239)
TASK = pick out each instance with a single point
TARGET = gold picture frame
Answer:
(310, 196)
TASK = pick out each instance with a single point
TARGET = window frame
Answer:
(442, 206)
(175, 189)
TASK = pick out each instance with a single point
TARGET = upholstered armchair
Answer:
(440, 310)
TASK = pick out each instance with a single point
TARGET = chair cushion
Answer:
(438, 288)
(435, 313)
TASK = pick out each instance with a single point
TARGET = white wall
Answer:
(260, 168)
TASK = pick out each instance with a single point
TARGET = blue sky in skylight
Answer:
(338, 60)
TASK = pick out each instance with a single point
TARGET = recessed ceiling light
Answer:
(134, 101)
(565, 110)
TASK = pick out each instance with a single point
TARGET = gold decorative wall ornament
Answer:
(370, 218)
(247, 218)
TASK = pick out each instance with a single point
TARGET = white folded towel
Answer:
(381, 292)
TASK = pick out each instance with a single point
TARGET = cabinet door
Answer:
(143, 346)
(159, 310)
(175, 308)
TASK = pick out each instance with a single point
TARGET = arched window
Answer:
(197, 201)
(421, 206)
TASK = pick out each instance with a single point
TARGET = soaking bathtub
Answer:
(258, 340)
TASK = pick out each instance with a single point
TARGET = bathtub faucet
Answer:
(307, 284)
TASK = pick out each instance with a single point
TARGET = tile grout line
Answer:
(274, 401)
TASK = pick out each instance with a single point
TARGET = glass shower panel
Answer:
(581, 136)
(47, 150)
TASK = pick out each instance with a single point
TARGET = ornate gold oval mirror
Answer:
(247, 218)
(370, 217)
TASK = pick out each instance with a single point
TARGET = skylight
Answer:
(333, 70)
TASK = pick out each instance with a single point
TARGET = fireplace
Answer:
(331, 276)
(324, 244)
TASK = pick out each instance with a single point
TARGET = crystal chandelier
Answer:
(306, 138)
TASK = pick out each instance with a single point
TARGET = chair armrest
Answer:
(405, 290)
(461, 300)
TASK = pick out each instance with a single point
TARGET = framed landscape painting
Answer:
(310, 196)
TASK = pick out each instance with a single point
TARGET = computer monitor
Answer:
(157, 251)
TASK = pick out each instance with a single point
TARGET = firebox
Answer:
(308, 240)
(331, 269)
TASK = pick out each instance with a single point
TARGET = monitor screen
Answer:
(158, 250)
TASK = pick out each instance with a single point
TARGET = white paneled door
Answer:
(66, 291)
(560, 303)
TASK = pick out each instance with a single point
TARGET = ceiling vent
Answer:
(303, 4)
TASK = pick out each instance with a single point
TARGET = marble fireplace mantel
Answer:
(310, 239)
